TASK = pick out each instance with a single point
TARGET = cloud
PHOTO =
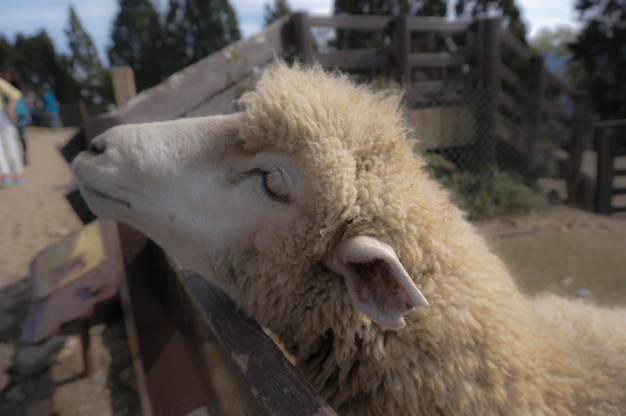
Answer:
(542, 13)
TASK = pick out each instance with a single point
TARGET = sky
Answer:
(29, 16)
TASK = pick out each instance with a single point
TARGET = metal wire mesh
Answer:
(489, 155)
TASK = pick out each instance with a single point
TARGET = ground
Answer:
(562, 250)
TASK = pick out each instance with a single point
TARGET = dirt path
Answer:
(564, 251)
(32, 216)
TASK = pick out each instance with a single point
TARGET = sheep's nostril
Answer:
(96, 147)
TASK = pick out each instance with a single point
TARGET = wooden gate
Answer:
(611, 177)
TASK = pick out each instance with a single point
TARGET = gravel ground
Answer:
(34, 215)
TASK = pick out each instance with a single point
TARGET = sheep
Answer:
(311, 211)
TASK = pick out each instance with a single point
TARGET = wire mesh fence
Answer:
(490, 157)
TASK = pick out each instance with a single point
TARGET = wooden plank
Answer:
(516, 46)
(354, 58)
(580, 122)
(185, 90)
(490, 33)
(223, 103)
(173, 383)
(135, 352)
(534, 107)
(402, 50)
(552, 111)
(355, 22)
(554, 81)
(438, 24)
(70, 277)
(437, 60)
(123, 80)
(301, 31)
(611, 123)
(285, 392)
(511, 105)
(230, 366)
(604, 175)
(513, 80)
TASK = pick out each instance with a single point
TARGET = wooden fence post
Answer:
(123, 81)
(604, 176)
(535, 96)
(301, 26)
(489, 61)
(581, 126)
(403, 49)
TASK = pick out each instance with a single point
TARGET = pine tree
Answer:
(507, 9)
(349, 39)
(137, 41)
(6, 50)
(84, 62)
(36, 60)
(553, 44)
(279, 9)
(211, 25)
(600, 49)
(176, 43)
(194, 29)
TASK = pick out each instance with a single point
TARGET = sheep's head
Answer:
(277, 203)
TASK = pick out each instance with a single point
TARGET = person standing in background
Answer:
(35, 107)
(51, 107)
(11, 167)
(22, 114)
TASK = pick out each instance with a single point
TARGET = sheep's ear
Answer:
(377, 282)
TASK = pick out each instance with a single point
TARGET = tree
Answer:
(194, 29)
(137, 41)
(211, 25)
(84, 62)
(279, 9)
(600, 50)
(175, 43)
(6, 50)
(359, 39)
(36, 60)
(507, 9)
(553, 44)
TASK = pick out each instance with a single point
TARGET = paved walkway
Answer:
(35, 213)
(32, 216)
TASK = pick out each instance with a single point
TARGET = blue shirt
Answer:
(49, 102)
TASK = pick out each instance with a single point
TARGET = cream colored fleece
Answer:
(480, 347)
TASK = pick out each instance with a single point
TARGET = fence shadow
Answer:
(62, 388)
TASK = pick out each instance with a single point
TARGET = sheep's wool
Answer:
(479, 347)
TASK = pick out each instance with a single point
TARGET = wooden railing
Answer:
(508, 95)
(194, 353)
(192, 350)
(611, 171)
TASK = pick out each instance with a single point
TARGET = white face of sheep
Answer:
(191, 187)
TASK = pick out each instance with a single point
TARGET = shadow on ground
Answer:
(61, 388)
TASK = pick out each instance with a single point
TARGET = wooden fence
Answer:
(611, 171)
(469, 51)
(193, 353)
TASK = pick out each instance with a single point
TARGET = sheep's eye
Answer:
(275, 186)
